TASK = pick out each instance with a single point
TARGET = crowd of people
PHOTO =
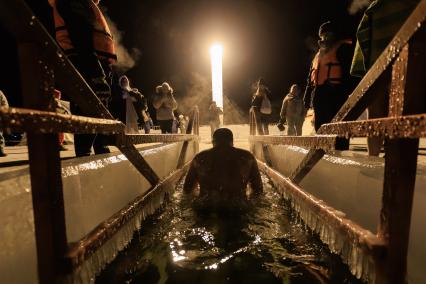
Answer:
(335, 70)
(83, 33)
(224, 172)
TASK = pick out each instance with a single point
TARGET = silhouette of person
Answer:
(223, 173)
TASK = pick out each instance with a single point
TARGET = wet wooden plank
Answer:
(399, 72)
(45, 169)
(158, 138)
(87, 246)
(397, 200)
(314, 142)
(306, 165)
(139, 162)
(192, 125)
(401, 165)
(410, 126)
(18, 119)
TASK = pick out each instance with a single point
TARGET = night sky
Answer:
(271, 39)
(170, 40)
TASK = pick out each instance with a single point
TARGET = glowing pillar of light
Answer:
(216, 52)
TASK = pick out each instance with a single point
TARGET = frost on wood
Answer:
(356, 245)
(105, 253)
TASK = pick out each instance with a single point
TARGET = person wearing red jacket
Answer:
(82, 31)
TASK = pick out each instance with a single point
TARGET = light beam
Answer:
(216, 52)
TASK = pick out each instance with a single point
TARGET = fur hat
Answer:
(164, 85)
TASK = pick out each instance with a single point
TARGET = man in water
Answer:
(223, 173)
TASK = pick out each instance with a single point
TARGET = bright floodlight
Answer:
(216, 52)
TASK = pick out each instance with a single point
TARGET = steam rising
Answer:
(358, 5)
(126, 59)
(198, 92)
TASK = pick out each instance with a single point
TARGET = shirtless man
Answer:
(223, 172)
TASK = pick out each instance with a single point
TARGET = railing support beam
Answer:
(407, 97)
(45, 168)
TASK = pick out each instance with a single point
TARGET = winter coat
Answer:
(214, 113)
(165, 105)
(292, 108)
(381, 21)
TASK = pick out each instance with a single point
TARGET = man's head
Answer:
(328, 33)
(223, 137)
(261, 82)
(124, 82)
(294, 90)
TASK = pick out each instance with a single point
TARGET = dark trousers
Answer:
(294, 126)
(328, 99)
(261, 122)
(83, 143)
(147, 126)
(166, 126)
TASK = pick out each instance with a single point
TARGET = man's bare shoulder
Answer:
(243, 153)
(203, 154)
(235, 151)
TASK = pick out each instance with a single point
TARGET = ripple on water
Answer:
(264, 245)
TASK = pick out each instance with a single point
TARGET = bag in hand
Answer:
(266, 108)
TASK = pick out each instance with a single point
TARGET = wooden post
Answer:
(406, 97)
(45, 167)
(192, 125)
(252, 123)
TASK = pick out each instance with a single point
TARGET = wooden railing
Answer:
(43, 66)
(398, 72)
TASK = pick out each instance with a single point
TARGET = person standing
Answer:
(182, 124)
(293, 111)
(165, 103)
(214, 117)
(381, 21)
(4, 104)
(148, 124)
(329, 83)
(127, 93)
(261, 105)
(82, 32)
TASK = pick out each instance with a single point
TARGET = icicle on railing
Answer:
(351, 252)
(87, 271)
(343, 237)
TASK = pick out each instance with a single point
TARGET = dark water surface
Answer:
(265, 244)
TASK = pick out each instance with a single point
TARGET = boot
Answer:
(2, 153)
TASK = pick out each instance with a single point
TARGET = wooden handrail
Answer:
(18, 119)
(21, 22)
(43, 62)
(326, 142)
(78, 252)
(402, 129)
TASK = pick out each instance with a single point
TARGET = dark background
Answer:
(170, 41)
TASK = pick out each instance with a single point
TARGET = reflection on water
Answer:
(265, 244)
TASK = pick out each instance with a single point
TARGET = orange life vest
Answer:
(326, 67)
(103, 42)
